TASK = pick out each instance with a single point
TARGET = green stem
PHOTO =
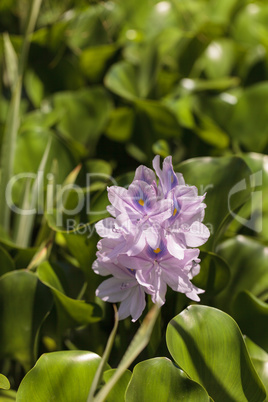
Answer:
(98, 376)
(139, 342)
(12, 123)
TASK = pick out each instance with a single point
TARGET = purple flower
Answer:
(150, 242)
(122, 287)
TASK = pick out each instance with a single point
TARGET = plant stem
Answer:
(13, 119)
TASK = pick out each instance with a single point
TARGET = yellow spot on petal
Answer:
(157, 250)
(175, 211)
(172, 179)
(141, 202)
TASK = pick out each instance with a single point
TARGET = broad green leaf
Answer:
(219, 58)
(248, 122)
(94, 60)
(4, 383)
(214, 274)
(148, 69)
(182, 107)
(71, 312)
(260, 361)
(6, 262)
(118, 392)
(161, 119)
(247, 259)
(24, 303)
(160, 380)
(63, 376)
(83, 248)
(29, 151)
(221, 13)
(225, 182)
(200, 339)
(86, 28)
(251, 315)
(84, 114)
(211, 133)
(121, 79)
(120, 125)
(249, 24)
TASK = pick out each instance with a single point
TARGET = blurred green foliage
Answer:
(106, 86)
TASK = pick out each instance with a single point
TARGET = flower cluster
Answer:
(150, 242)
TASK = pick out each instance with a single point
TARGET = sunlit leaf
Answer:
(159, 379)
(4, 383)
(199, 339)
(63, 376)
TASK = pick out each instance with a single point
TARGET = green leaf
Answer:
(211, 133)
(34, 87)
(7, 264)
(84, 114)
(248, 122)
(248, 260)
(251, 314)
(63, 376)
(162, 120)
(93, 61)
(160, 380)
(138, 343)
(260, 361)
(4, 383)
(118, 392)
(214, 274)
(21, 291)
(121, 123)
(199, 339)
(219, 58)
(121, 79)
(225, 181)
(71, 312)
(29, 151)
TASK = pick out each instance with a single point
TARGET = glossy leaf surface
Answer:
(63, 376)
(160, 380)
(199, 339)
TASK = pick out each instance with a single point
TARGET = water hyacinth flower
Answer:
(151, 240)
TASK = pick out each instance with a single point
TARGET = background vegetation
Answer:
(99, 88)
